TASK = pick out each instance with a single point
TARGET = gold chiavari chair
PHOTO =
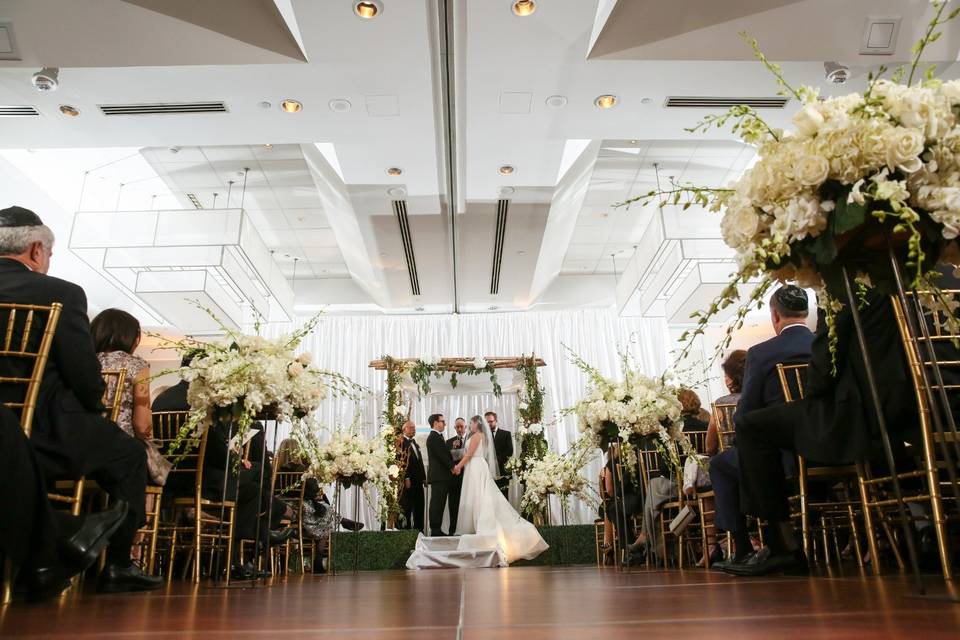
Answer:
(671, 507)
(290, 486)
(706, 509)
(931, 480)
(840, 477)
(600, 524)
(166, 430)
(207, 526)
(726, 430)
(699, 497)
(23, 321)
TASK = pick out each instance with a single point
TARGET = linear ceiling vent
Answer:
(159, 108)
(706, 102)
(18, 111)
(502, 207)
(400, 209)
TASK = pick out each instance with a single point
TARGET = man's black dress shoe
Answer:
(765, 562)
(46, 583)
(81, 550)
(279, 537)
(117, 579)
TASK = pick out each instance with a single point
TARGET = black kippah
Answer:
(792, 298)
(19, 217)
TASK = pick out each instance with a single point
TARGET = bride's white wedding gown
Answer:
(487, 522)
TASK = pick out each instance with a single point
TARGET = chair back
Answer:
(25, 344)
(166, 429)
(113, 393)
(698, 439)
(288, 484)
(792, 377)
(723, 415)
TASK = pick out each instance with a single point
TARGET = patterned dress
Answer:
(157, 466)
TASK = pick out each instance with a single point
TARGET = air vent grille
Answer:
(158, 108)
(707, 102)
(18, 111)
(400, 210)
(502, 207)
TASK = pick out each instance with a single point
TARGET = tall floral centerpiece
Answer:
(349, 459)
(636, 409)
(858, 174)
(555, 474)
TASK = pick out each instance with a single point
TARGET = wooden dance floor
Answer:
(532, 603)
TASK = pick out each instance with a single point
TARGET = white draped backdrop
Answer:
(347, 344)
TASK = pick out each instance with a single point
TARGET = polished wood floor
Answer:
(532, 603)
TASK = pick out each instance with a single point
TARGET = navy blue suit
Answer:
(761, 388)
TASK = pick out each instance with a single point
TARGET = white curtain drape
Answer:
(347, 344)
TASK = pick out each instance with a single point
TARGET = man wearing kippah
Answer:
(70, 436)
(761, 388)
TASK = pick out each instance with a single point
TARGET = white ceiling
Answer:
(320, 193)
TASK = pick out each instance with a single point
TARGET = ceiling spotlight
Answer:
(268, 146)
(506, 170)
(394, 171)
(836, 73)
(606, 101)
(556, 102)
(340, 105)
(46, 79)
(368, 9)
(524, 8)
(67, 110)
(291, 106)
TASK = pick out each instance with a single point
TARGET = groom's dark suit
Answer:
(440, 479)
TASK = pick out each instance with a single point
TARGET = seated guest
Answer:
(174, 398)
(49, 546)
(835, 423)
(662, 486)
(116, 335)
(70, 436)
(761, 388)
(620, 505)
(256, 507)
(319, 518)
(694, 476)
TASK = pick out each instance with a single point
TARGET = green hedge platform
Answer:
(386, 550)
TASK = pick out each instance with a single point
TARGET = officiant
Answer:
(456, 446)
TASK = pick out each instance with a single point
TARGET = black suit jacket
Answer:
(72, 388)
(441, 461)
(416, 474)
(456, 442)
(761, 384)
(503, 445)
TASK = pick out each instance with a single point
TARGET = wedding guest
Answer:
(455, 444)
(116, 335)
(70, 436)
(414, 480)
(319, 516)
(181, 483)
(49, 546)
(761, 388)
(503, 445)
(622, 500)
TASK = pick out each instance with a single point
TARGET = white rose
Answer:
(295, 369)
(305, 358)
(812, 170)
(951, 90)
(536, 428)
(808, 120)
(739, 226)
(904, 146)
(479, 362)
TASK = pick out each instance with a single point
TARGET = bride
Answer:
(486, 521)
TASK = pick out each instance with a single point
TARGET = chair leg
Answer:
(854, 531)
(173, 553)
(197, 543)
(868, 519)
(9, 573)
(229, 545)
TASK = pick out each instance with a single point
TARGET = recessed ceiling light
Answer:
(67, 110)
(634, 141)
(524, 8)
(340, 105)
(556, 102)
(606, 101)
(291, 106)
(394, 171)
(506, 170)
(368, 9)
(268, 146)
(521, 253)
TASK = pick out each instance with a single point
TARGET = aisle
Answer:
(532, 603)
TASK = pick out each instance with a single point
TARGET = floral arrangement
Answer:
(422, 370)
(530, 438)
(248, 376)
(555, 474)
(860, 173)
(631, 410)
(349, 459)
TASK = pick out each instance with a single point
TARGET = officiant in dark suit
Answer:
(455, 444)
(70, 437)
(440, 472)
(411, 500)
(503, 445)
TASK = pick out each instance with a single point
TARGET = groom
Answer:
(440, 472)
